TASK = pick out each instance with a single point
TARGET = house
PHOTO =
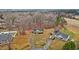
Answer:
(5, 37)
(60, 35)
(37, 31)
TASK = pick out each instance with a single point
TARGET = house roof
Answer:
(37, 30)
(5, 37)
(61, 36)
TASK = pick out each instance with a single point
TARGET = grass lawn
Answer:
(40, 39)
(66, 31)
(56, 44)
(21, 42)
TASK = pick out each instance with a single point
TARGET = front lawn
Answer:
(66, 31)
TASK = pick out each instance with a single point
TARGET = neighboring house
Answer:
(38, 31)
(60, 35)
(6, 37)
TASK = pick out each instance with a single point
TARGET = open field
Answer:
(72, 22)
(73, 25)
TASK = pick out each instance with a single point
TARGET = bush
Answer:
(69, 46)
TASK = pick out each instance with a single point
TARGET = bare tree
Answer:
(10, 22)
(1, 16)
(38, 20)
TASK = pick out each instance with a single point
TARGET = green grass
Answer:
(66, 31)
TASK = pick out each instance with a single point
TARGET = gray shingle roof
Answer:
(61, 36)
(6, 37)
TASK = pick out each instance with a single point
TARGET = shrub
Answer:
(69, 46)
